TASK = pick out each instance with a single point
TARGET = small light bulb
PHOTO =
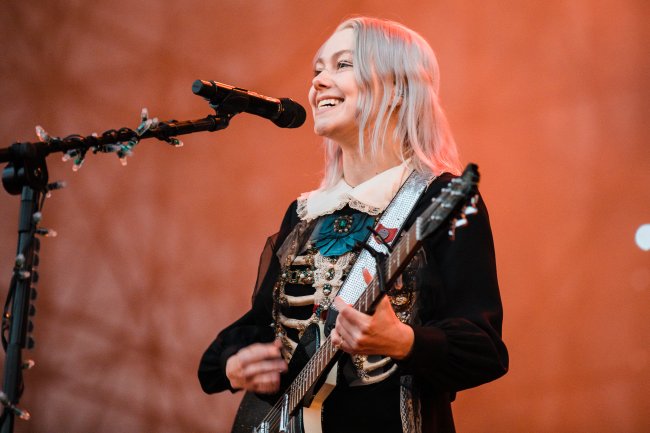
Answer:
(42, 135)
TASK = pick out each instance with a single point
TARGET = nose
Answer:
(322, 80)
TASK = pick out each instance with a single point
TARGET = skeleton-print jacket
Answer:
(449, 296)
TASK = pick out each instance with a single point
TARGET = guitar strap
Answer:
(393, 218)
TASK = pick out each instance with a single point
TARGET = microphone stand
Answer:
(26, 174)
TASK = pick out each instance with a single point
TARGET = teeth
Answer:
(328, 103)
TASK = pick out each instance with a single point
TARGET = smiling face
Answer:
(334, 91)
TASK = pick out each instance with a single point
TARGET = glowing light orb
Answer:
(642, 237)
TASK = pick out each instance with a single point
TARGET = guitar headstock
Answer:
(460, 192)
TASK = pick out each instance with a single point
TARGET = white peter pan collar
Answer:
(371, 196)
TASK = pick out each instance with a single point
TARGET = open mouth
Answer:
(329, 102)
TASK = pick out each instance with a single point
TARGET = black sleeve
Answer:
(255, 325)
(458, 341)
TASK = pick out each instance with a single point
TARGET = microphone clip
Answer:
(234, 103)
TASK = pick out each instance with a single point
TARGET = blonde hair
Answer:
(400, 62)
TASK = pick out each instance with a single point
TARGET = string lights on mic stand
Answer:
(26, 175)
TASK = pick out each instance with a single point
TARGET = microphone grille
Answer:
(293, 114)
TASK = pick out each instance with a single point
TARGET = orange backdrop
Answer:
(551, 99)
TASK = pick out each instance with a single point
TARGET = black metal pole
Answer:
(20, 292)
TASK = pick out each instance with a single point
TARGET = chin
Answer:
(322, 130)
(335, 130)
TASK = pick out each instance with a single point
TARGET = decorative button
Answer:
(342, 224)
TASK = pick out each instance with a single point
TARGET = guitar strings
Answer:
(295, 389)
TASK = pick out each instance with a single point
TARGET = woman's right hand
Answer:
(257, 368)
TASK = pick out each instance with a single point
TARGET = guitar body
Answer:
(308, 417)
(305, 419)
(250, 413)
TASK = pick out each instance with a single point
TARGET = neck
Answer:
(358, 169)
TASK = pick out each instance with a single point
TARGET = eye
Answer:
(317, 71)
(344, 64)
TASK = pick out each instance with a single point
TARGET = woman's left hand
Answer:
(380, 334)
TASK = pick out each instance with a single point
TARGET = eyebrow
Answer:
(335, 55)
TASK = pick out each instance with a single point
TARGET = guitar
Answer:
(298, 409)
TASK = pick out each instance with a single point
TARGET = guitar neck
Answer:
(394, 265)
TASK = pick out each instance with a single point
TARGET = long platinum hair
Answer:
(398, 77)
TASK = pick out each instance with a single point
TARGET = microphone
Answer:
(284, 112)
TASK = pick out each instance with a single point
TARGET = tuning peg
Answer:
(452, 229)
(460, 222)
(455, 223)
